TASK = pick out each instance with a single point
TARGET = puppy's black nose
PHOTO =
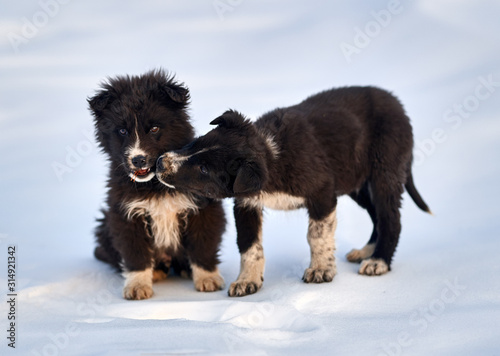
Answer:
(139, 161)
(159, 164)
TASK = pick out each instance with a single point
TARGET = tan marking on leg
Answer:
(138, 284)
(159, 275)
(322, 243)
(275, 201)
(251, 274)
(358, 255)
(373, 267)
(206, 281)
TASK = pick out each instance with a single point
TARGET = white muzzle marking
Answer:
(141, 179)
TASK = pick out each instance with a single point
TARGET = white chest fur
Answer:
(276, 201)
(165, 215)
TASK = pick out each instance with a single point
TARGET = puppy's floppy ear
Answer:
(249, 178)
(164, 84)
(230, 119)
(99, 101)
(178, 93)
(97, 104)
(175, 92)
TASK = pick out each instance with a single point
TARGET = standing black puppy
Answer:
(355, 140)
(148, 227)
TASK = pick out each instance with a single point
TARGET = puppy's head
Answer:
(139, 117)
(228, 161)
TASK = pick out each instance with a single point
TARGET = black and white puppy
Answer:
(147, 227)
(355, 140)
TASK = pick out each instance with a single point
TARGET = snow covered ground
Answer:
(440, 57)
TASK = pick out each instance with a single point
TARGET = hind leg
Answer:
(104, 250)
(364, 200)
(386, 194)
(357, 255)
(163, 262)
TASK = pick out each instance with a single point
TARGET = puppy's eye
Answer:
(203, 169)
(123, 132)
(154, 129)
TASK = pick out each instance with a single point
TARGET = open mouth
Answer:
(142, 172)
(142, 175)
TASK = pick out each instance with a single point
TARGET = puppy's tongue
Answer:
(141, 172)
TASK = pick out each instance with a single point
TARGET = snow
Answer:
(442, 296)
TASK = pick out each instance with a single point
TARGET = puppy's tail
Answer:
(415, 195)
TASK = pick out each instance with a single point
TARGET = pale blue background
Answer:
(253, 57)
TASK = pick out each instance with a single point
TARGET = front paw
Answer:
(137, 292)
(209, 284)
(206, 280)
(318, 275)
(242, 288)
(373, 267)
(138, 284)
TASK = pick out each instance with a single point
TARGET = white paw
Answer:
(207, 281)
(241, 288)
(137, 292)
(373, 267)
(138, 284)
(318, 275)
(209, 284)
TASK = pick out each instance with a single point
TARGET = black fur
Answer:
(139, 105)
(355, 140)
